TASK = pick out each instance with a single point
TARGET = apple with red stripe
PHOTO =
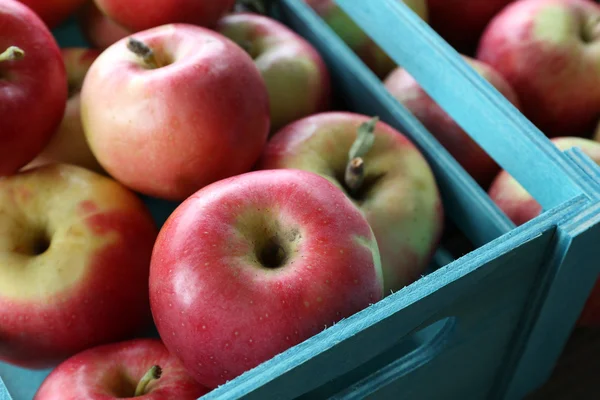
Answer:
(33, 86)
(99, 30)
(138, 368)
(54, 12)
(296, 76)
(252, 265)
(521, 207)
(75, 250)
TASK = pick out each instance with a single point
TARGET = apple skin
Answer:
(217, 304)
(461, 22)
(99, 30)
(32, 98)
(364, 47)
(138, 15)
(402, 202)
(167, 132)
(521, 207)
(458, 143)
(112, 371)
(90, 286)
(295, 74)
(537, 46)
(53, 12)
(69, 145)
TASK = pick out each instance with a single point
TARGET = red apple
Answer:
(370, 53)
(295, 74)
(194, 111)
(68, 145)
(398, 195)
(75, 250)
(521, 207)
(461, 22)
(53, 12)
(138, 15)
(141, 368)
(254, 264)
(33, 86)
(458, 143)
(99, 30)
(548, 51)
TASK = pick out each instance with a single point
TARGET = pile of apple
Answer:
(290, 215)
(543, 56)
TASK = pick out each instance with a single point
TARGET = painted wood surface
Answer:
(4, 395)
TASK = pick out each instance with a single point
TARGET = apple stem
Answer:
(255, 6)
(355, 169)
(11, 54)
(591, 30)
(142, 50)
(153, 373)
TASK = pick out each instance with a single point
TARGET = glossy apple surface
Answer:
(33, 86)
(99, 30)
(399, 197)
(75, 250)
(295, 74)
(461, 22)
(166, 131)
(368, 51)
(458, 143)
(54, 12)
(548, 50)
(521, 207)
(137, 15)
(69, 145)
(255, 264)
(113, 371)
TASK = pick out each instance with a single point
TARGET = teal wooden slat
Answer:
(4, 395)
(466, 204)
(353, 341)
(497, 126)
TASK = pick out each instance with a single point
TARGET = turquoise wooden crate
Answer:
(487, 324)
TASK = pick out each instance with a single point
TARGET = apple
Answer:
(53, 12)
(252, 265)
(68, 145)
(461, 22)
(391, 183)
(364, 47)
(458, 143)
(33, 86)
(174, 108)
(138, 15)
(295, 74)
(521, 207)
(141, 368)
(75, 250)
(99, 30)
(547, 51)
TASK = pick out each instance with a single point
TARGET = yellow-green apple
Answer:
(138, 15)
(99, 30)
(75, 250)
(33, 86)
(521, 207)
(461, 22)
(462, 147)
(174, 108)
(53, 12)
(69, 145)
(252, 265)
(364, 47)
(548, 50)
(137, 368)
(391, 183)
(295, 74)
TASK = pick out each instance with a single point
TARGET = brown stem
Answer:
(11, 54)
(355, 169)
(153, 373)
(143, 51)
